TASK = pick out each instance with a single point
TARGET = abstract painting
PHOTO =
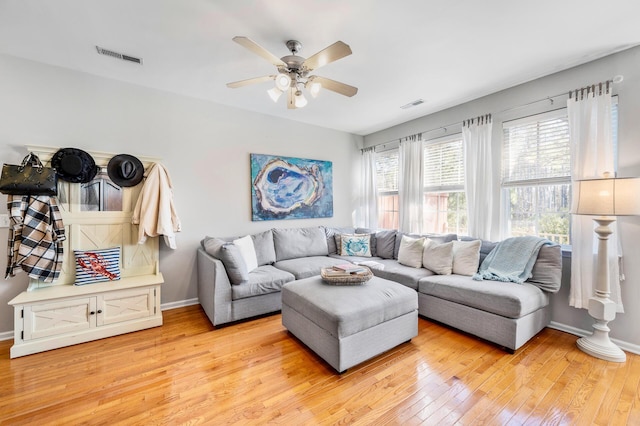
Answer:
(290, 188)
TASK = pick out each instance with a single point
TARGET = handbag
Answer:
(28, 178)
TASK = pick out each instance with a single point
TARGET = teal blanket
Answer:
(511, 260)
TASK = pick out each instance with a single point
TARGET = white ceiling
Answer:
(444, 51)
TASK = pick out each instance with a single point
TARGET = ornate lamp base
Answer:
(601, 308)
(600, 346)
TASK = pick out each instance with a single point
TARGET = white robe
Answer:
(154, 212)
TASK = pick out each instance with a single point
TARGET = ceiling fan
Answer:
(294, 70)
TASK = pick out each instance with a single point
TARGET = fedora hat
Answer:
(74, 165)
(125, 170)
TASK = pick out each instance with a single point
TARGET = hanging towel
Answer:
(35, 237)
(154, 211)
(511, 260)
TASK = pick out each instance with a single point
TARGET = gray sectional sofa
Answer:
(505, 313)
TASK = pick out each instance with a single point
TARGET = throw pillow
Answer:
(438, 258)
(410, 252)
(466, 257)
(247, 251)
(93, 266)
(229, 254)
(355, 245)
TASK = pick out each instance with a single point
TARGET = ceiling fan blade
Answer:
(337, 50)
(335, 86)
(291, 98)
(259, 50)
(242, 83)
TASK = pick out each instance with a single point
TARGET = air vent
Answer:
(412, 104)
(118, 55)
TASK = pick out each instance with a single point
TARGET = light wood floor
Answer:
(185, 372)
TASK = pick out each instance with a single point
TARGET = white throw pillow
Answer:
(248, 252)
(410, 253)
(438, 258)
(466, 257)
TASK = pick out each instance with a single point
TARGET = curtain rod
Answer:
(617, 79)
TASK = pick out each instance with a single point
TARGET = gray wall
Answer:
(505, 105)
(204, 146)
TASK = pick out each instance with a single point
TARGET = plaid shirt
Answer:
(35, 237)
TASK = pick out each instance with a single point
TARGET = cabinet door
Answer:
(51, 319)
(125, 305)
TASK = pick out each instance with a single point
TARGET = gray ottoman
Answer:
(346, 325)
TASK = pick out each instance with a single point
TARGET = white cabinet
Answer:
(58, 316)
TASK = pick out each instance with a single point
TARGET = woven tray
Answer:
(351, 279)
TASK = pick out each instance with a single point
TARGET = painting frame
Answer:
(290, 188)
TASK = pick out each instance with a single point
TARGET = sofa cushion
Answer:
(547, 271)
(262, 280)
(385, 244)
(438, 238)
(466, 257)
(507, 299)
(405, 275)
(438, 257)
(330, 233)
(229, 254)
(293, 243)
(305, 267)
(374, 239)
(410, 253)
(485, 248)
(263, 244)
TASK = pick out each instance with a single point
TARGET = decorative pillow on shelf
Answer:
(355, 245)
(247, 251)
(410, 253)
(93, 266)
(466, 257)
(438, 258)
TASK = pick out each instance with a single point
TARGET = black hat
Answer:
(74, 165)
(125, 170)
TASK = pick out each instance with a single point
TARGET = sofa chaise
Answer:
(505, 313)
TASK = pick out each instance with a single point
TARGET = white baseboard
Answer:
(629, 347)
(179, 304)
(6, 335)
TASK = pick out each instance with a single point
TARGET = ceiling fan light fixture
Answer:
(300, 100)
(274, 94)
(313, 87)
(283, 81)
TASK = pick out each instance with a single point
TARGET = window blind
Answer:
(387, 166)
(443, 166)
(536, 150)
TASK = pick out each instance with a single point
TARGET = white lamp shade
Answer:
(274, 93)
(607, 197)
(314, 88)
(283, 81)
(301, 101)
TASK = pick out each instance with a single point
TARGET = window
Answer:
(536, 176)
(387, 165)
(445, 204)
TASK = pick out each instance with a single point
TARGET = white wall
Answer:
(627, 63)
(204, 146)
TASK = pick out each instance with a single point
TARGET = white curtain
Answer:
(368, 212)
(478, 178)
(592, 156)
(410, 185)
